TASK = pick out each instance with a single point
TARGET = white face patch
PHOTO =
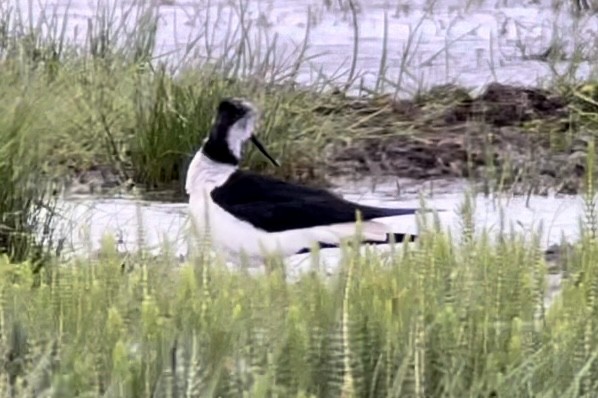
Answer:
(242, 130)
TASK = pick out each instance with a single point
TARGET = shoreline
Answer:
(527, 140)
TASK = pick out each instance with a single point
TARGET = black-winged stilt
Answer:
(256, 215)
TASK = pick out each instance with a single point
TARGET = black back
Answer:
(274, 205)
(216, 147)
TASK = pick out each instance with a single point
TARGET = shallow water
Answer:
(450, 44)
(133, 221)
(151, 225)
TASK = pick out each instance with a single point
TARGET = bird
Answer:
(255, 216)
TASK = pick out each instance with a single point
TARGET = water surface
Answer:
(424, 46)
(135, 221)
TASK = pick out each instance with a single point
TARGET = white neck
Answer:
(205, 173)
(239, 133)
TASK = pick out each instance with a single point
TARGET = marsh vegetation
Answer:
(446, 316)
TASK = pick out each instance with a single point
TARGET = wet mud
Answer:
(507, 136)
(526, 140)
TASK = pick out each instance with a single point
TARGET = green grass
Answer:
(26, 141)
(436, 319)
(65, 108)
(440, 319)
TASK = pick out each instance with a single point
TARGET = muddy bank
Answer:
(508, 137)
(528, 140)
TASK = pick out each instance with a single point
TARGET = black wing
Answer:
(274, 205)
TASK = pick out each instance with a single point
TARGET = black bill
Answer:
(259, 146)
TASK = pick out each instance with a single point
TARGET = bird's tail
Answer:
(390, 237)
(399, 238)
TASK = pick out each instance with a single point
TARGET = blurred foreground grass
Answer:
(440, 318)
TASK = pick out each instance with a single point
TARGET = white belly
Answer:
(238, 237)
